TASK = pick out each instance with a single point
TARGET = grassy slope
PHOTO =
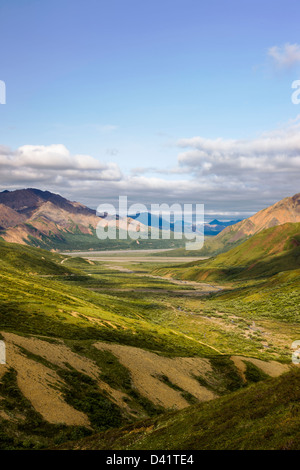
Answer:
(25, 259)
(271, 251)
(263, 416)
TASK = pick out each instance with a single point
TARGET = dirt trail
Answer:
(197, 341)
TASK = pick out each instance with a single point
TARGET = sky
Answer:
(164, 101)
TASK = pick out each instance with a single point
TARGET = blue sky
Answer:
(126, 82)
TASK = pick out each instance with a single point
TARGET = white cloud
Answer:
(285, 56)
(53, 163)
(226, 175)
(259, 171)
(271, 153)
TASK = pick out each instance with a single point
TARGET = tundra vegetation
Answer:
(71, 326)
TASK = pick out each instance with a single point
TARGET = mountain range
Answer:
(46, 220)
(178, 225)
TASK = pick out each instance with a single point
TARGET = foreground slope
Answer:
(264, 416)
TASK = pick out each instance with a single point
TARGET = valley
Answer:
(103, 346)
(110, 333)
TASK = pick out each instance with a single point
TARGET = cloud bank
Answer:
(52, 164)
(228, 176)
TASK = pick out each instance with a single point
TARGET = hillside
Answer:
(26, 201)
(9, 217)
(284, 211)
(264, 416)
(43, 219)
(265, 254)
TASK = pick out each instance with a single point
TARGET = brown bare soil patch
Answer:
(272, 368)
(146, 368)
(43, 378)
(240, 365)
(41, 385)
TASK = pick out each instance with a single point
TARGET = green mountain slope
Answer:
(263, 416)
(261, 276)
(285, 211)
(30, 260)
(269, 252)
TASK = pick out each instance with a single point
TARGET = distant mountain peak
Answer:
(28, 200)
(35, 216)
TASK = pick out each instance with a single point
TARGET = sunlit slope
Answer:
(25, 259)
(263, 416)
(269, 252)
(285, 211)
